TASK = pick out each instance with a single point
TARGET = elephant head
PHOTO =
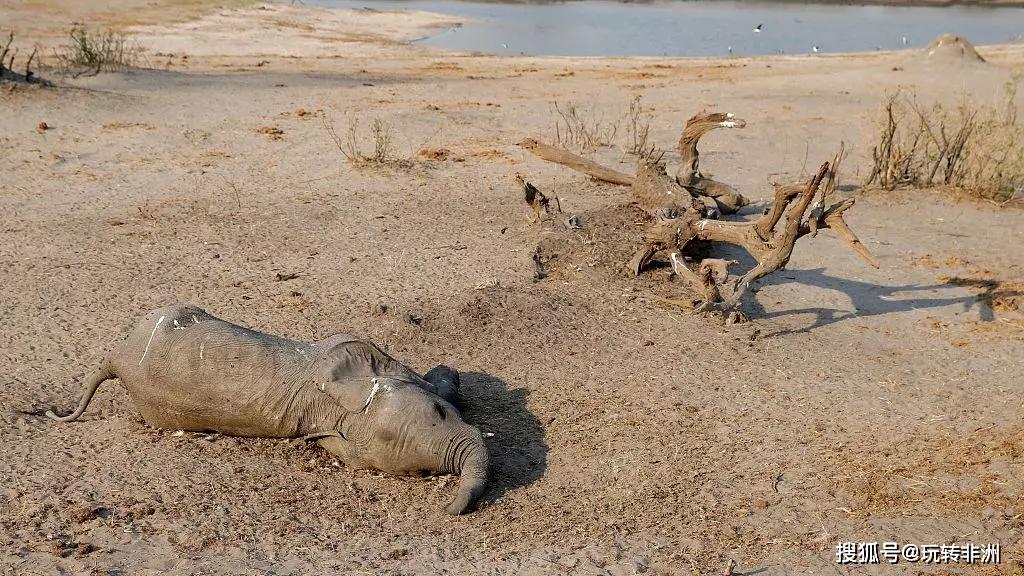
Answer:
(392, 424)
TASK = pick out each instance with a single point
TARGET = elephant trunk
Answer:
(468, 457)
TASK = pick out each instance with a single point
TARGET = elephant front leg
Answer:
(337, 445)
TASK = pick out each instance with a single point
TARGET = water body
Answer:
(681, 28)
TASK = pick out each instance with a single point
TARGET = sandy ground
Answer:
(858, 405)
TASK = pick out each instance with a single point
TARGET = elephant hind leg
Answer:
(446, 380)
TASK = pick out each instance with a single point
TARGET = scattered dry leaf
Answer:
(272, 132)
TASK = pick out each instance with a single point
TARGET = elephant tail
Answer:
(473, 476)
(104, 372)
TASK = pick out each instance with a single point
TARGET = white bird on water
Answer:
(904, 40)
(815, 49)
(730, 50)
(504, 45)
(757, 29)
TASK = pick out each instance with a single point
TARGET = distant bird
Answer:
(904, 40)
(757, 29)
(815, 49)
(505, 46)
(730, 50)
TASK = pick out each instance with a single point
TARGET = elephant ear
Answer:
(354, 394)
(351, 370)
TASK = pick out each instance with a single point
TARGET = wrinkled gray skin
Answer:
(187, 370)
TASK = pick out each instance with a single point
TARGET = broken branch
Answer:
(779, 256)
(576, 162)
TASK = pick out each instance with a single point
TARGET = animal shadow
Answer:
(518, 452)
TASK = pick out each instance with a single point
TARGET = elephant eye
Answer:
(440, 410)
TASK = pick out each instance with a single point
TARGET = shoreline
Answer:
(906, 3)
(923, 3)
(239, 29)
(315, 34)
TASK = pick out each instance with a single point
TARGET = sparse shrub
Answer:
(577, 129)
(383, 153)
(381, 132)
(97, 51)
(638, 127)
(976, 149)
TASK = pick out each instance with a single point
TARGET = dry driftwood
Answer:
(725, 198)
(7, 71)
(679, 216)
(688, 176)
(576, 162)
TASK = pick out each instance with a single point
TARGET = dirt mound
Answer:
(598, 254)
(596, 257)
(952, 49)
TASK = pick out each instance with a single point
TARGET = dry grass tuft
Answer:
(638, 127)
(974, 149)
(97, 51)
(581, 131)
(383, 151)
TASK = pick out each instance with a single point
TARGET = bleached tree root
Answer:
(680, 219)
(763, 238)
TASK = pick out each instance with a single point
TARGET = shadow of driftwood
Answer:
(873, 299)
(518, 451)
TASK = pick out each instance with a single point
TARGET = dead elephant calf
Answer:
(187, 370)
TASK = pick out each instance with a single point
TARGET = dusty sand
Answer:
(858, 405)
